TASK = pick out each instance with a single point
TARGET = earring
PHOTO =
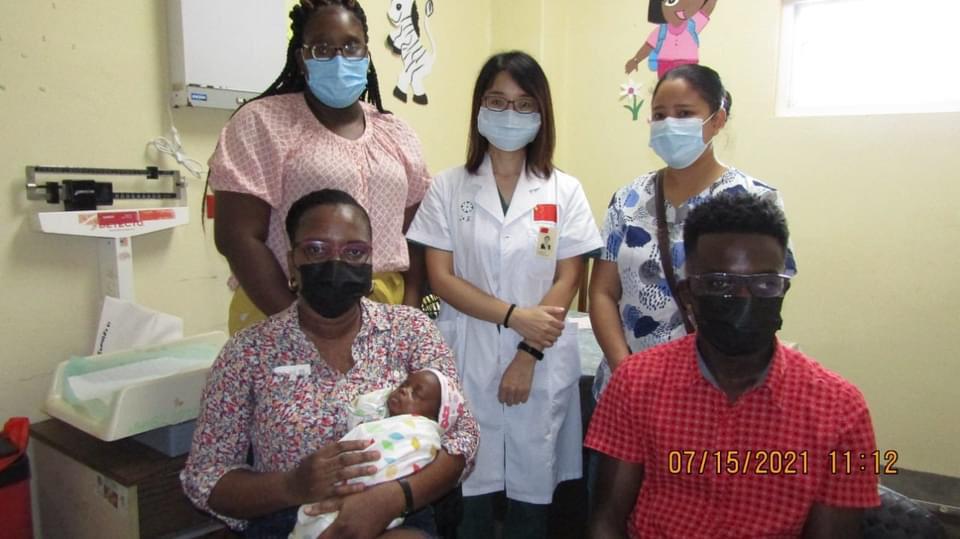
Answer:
(292, 285)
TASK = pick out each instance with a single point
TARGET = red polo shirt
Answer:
(752, 468)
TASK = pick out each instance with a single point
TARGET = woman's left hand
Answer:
(517, 380)
(366, 515)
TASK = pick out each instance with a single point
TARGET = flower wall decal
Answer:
(631, 90)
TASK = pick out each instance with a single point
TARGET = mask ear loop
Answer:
(723, 103)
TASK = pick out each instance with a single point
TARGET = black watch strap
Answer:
(407, 497)
(524, 347)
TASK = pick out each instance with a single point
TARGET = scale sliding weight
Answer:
(82, 196)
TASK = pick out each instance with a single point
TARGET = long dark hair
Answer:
(291, 80)
(528, 74)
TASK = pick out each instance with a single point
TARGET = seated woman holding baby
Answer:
(287, 386)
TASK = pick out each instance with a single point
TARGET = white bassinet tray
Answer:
(116, 395)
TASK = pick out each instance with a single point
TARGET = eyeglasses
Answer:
(761, 285)
(498, 103)
(324, 51)
(351, 252)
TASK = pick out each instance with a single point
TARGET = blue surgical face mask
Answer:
(337, 82)
(508, 130)
(678, 141)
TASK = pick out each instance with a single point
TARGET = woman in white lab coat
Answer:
(505, 237)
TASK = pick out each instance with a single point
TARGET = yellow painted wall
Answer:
(870, 198)
(461, 31)
(870, 201)
(84, 83)
(518, 25)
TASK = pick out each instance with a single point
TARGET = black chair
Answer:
(899, 517)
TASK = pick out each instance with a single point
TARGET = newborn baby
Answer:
(424, 407)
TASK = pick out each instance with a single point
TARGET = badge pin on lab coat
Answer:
(545, 233)
(545, 242)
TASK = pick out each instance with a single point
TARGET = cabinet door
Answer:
(76, 502)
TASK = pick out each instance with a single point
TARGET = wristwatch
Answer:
(407, 497)
(524, 347)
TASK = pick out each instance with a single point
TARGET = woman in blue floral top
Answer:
(631, 307)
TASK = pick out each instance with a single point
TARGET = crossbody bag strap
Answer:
(666, 260)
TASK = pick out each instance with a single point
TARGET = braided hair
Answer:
(291, 79)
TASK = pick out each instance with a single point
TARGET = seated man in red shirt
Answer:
(728, 433)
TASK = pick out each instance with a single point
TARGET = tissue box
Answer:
(140, 406)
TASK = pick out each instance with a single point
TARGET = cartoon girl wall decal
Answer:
(676, 39)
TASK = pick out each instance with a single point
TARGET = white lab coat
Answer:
(526, 449)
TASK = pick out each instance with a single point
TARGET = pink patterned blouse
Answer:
(276, 150)
(272, 390)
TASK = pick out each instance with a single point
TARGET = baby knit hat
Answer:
(451, 401)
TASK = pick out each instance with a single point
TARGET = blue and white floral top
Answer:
(647, 309)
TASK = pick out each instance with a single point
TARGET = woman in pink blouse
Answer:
(311, 130)
(283, 386)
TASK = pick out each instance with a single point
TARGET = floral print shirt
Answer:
(270, 389)
(647, 310)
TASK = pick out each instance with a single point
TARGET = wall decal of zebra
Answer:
(405, 41)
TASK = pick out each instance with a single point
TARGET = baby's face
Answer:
(419, 394)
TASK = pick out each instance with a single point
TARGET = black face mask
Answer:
(738, 326)
(330, 288)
